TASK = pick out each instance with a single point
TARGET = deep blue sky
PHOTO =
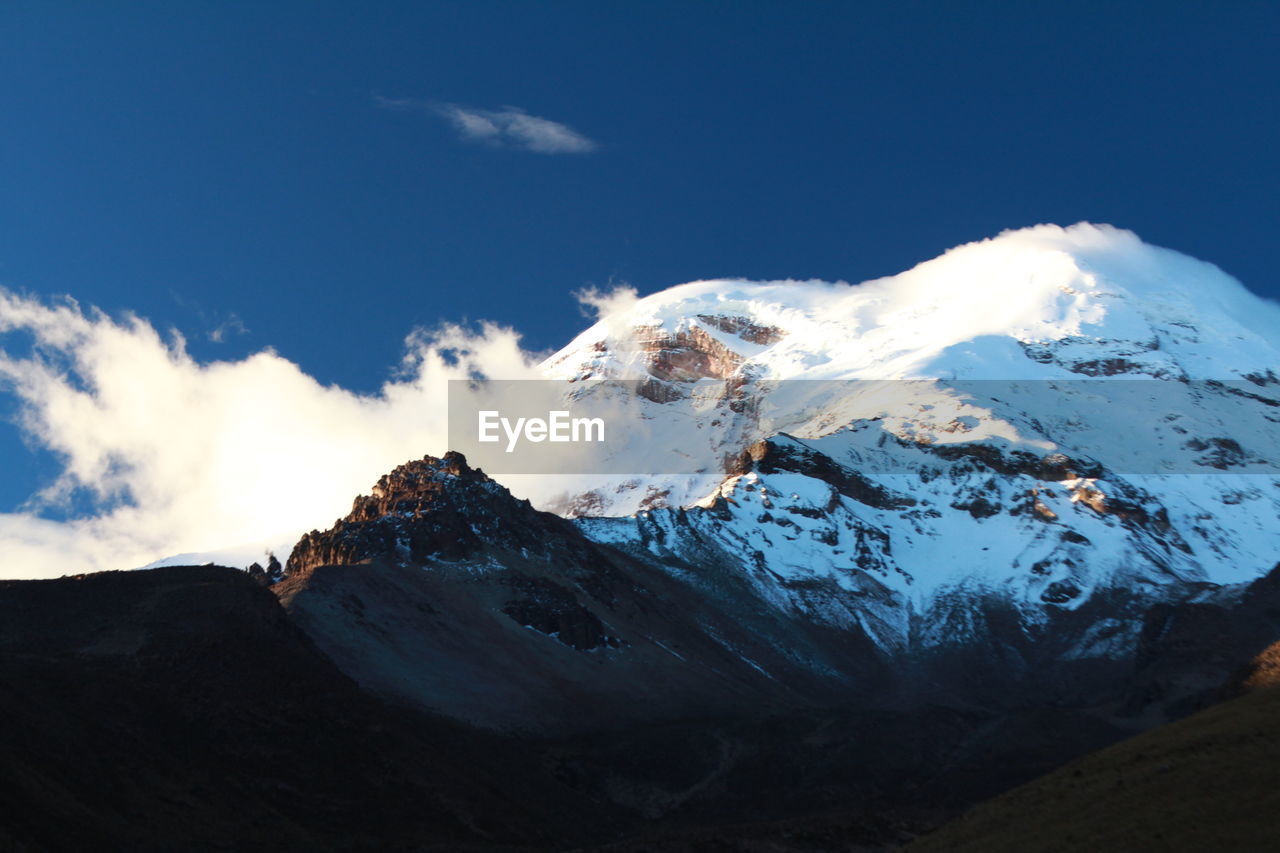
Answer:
(193, 160)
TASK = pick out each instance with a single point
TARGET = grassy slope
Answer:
(1209, 782)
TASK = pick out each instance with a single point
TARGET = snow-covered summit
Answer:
(1042, 311)
(1041, 302)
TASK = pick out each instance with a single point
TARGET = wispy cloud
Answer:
(509, 127)
(163, 454)
(233, 325)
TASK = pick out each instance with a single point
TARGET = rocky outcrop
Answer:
(783, 454)
(687, 355)
(690, 353)
(744, 327)
(672, 359)
(428, 508)
(442, 589)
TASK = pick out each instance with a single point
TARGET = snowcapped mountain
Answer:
(1045, 416)
(989, 470)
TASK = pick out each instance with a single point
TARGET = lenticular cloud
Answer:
(173, 455)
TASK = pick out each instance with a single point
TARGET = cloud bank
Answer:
(509, 127)
(171, 455)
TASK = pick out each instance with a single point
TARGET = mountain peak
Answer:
(984, 310)
(420, 479)
(427, 508)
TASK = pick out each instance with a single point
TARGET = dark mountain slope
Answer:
(179, 709)
(443, 589)
(1193, 654)
(676, 692)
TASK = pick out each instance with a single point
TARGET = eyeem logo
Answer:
(557, 427)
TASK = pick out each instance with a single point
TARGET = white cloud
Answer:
(233, 325)
(512, 127)
(607, 306)
(181, 456)
(509, 127)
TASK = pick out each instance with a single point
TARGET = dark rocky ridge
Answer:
(783, 454)
(440, 561)
(180, 709)
(426, 508)
(443, 589)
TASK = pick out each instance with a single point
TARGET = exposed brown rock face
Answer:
(687, 355)
(425, 508)
(690, 354)
(672, 359)
(1039, 507)
(742, 327)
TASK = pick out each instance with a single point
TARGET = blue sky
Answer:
(290, 173)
